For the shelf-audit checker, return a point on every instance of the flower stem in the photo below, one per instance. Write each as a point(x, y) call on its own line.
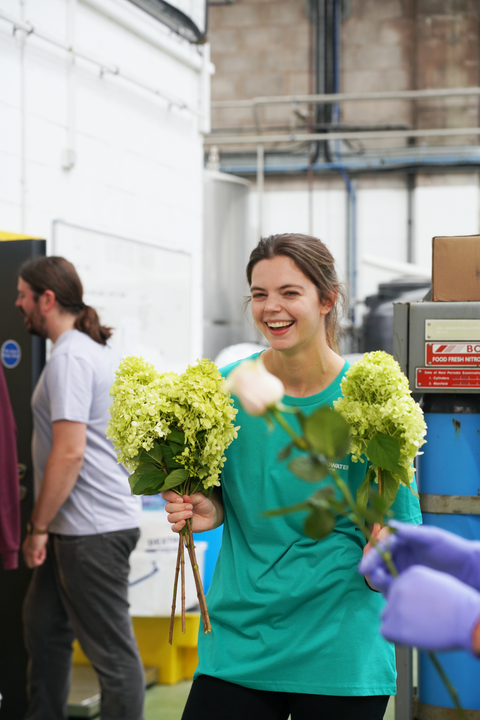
point(182, 568)
point(175, 587)
point(446, 681)
point(345, 490)
point(207, 628)
point(297, 439)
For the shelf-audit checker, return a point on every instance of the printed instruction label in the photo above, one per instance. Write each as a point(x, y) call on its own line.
point(462, 378)
point(452, 329)
point(452, 354)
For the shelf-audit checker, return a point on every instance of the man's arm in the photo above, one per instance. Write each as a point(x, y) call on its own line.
point(61, 472)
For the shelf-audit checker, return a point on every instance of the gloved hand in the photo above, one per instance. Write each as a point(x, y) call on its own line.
point(430, 610)
point(430, 546)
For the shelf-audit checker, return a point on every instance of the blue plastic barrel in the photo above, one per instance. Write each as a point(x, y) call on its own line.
point(450, 465)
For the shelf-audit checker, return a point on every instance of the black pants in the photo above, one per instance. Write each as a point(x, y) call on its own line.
point(81, 591)
point(214, 699)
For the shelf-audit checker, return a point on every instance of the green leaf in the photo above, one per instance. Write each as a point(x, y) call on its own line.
point(390, 485)
point(170, 463)
point(378, 502)
point(285, 453)
point(150, 479)
point(363, 492)
point(175, 478)
point(402, 475)
point(175, 447)
point(328, 432)
point(373, 516)
point(155, 453)
point(286, 510)
point(323, 498)
point(319, 523)
point(176, 436)
point(308, 468)
point(384, 451)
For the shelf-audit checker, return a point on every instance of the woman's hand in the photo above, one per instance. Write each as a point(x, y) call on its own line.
point(206, 513)
point(378, 533)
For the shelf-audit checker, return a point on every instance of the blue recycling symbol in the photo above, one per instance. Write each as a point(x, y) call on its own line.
point(10, 354)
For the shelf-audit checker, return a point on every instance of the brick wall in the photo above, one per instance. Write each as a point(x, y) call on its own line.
point(262, 47)
point(259, 47)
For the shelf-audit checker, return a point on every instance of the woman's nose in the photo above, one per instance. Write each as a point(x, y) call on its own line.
point(272, 303)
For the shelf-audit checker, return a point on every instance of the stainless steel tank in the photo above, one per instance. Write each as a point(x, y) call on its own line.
point(225, 257)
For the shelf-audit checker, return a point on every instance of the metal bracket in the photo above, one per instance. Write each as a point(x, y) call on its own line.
point(422, 711)
point(450, 505)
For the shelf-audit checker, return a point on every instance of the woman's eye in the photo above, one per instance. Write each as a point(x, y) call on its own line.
point(291, 293)
point(256, 296)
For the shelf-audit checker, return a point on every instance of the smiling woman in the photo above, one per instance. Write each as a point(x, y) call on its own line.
point(295, 293)
point(295, 627)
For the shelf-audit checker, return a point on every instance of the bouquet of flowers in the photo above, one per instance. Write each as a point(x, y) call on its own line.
point(386, 424)
point(172, 431)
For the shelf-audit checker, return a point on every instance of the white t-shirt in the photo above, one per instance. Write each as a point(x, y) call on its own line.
point(75, 385)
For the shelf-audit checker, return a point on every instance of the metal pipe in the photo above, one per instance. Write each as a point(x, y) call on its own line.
point(104, 68)
point(410, 215)
point(350, 97)
point(386, 164)
point(23, 123)
point(260, 186)
point(360, 135)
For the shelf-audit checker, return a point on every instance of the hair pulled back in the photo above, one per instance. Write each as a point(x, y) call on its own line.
point(59, 275)
point(315, 260)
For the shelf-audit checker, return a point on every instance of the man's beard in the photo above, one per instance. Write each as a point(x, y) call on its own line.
point(34, 326)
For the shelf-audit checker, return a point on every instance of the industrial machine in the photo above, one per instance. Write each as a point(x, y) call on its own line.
point(438, 347)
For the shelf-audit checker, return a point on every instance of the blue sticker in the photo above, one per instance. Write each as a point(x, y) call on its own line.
point(10, 354)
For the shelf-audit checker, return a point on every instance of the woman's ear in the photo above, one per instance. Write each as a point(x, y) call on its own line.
point(328, 303)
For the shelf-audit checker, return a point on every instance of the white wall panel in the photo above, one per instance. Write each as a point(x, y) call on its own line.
point(139, 160)
point(447, 210)
point(381, 231)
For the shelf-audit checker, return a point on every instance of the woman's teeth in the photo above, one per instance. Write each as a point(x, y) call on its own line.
point(279, 324)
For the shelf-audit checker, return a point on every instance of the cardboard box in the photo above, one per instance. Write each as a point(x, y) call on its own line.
point(456, 268)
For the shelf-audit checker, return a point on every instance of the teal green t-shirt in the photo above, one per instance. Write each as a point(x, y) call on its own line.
point(290, 613)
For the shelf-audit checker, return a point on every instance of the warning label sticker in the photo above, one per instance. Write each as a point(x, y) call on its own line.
point(452, 354)
point(447, 378)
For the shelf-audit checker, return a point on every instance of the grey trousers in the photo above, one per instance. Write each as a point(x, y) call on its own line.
point(81, 591)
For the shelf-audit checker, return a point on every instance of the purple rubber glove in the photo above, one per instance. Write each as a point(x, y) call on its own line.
point(430, 610)
point(430, 546)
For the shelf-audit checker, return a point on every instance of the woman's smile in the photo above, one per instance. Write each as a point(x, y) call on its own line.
point(279, 327)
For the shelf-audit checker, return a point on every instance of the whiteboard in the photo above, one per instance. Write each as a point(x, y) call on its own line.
point(141, 290)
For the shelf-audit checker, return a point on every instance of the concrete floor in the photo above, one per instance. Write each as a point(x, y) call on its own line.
point(166, 702)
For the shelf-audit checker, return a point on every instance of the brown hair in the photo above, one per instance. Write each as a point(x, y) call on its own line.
point(59, 275)
point(316, 262)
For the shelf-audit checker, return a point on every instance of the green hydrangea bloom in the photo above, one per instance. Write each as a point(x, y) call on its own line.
point(147, 405)
point(377, 399)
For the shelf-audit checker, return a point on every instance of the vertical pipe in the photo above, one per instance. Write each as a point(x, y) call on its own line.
point(260, 186)
point(71, 86)
point(205, 122)
point(351, 240)
point(410, 216)
point(23, 126)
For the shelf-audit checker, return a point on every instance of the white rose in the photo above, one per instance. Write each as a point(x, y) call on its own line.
point(255, 387)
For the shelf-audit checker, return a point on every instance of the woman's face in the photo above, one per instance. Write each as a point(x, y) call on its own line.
point(285, 305)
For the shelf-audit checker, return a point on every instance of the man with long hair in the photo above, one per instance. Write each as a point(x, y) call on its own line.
point(84, 524)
